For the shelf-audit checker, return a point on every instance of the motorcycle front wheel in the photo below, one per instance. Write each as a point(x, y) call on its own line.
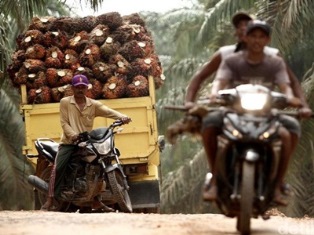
point(247, 196)
point(120, 194)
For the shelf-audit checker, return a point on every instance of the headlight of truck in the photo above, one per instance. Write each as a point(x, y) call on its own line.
point(104, 147)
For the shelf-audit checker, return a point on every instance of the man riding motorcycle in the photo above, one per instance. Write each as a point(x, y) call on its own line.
point(254, 66)
point(77, 115)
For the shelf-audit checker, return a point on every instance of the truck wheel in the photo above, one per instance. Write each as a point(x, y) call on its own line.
point(120, 194)
point(247, 195)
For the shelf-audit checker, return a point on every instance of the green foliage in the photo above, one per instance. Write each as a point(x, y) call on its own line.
point(14, 192)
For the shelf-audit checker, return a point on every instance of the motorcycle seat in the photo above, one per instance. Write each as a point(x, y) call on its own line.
point(50, 147)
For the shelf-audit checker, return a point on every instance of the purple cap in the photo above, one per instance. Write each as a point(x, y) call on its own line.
point(80, 79)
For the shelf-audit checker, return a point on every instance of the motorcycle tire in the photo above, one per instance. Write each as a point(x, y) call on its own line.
point(120, 194)
point(247, 195)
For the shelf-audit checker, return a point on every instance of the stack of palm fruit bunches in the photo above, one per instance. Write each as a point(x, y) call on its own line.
point(115, 52)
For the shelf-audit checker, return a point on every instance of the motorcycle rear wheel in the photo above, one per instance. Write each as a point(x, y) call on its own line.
point(247, 195)
point(120, 194)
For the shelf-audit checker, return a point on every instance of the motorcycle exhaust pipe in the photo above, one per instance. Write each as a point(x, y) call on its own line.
point(38, 183)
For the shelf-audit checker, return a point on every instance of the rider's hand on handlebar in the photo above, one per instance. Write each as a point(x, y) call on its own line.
point(75, 138)
point(126, 120)
point(189, 104)
point(305, 112)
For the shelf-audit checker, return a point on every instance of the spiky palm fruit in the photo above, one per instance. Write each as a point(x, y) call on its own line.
point(138, 87)
point(18, 55)
point(78, 40)
point(56, 38)
point(36, 80)
point(54, 57)
point(87, 23)
point(156, 70)
point(20, 77)
point(134, 18)
point(141, 34)
point(30, 38)
point(66, 24)
point(123, 66)
point(99, 34)
point(159, 81)
point(57, 93)
point(65, 76)
point(109, 48)
point(102, 71)
point(123, 34)
point(142, 66)
point(31, 95)
point(58, 77)
point(134, 49)
point(90, 55)
point(41, 23)
point(95, 89)
point(71, 60)
point(85, 71)
point(34, 65)
point(17, 58)
point(114, 88)
point(52, 77)
point(112, 19)
point(40, 96)
point(36, 51)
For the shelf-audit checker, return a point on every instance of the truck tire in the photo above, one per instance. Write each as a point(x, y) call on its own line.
point(120, 194)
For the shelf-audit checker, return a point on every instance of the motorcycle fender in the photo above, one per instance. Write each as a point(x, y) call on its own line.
point(112, 168)
point(251, 155)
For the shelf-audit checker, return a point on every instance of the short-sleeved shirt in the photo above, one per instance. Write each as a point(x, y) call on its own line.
point(74, 121)
point(270, 72)
point(228, 50)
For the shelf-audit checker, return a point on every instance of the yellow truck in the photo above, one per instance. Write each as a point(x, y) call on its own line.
point(138, 142)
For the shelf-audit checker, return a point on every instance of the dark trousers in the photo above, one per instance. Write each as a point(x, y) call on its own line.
point(57, 175)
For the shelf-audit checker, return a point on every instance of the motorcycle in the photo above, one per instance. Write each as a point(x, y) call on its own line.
point(93, 173)
point(248, 150)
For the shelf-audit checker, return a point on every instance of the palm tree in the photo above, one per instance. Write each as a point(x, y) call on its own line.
point(14, 19)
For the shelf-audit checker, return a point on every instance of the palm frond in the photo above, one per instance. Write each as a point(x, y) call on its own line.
point(13, 166)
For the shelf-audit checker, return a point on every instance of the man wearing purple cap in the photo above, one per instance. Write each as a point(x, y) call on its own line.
point(77, 114)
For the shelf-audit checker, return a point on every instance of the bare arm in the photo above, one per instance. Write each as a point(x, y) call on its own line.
point(218, 85)
point(208, 69)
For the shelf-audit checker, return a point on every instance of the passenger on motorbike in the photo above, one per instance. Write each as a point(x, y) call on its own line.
point(239, 21)
point(252, 65)
point(77, 115)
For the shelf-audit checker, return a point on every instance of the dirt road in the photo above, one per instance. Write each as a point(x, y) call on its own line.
point(55, 223)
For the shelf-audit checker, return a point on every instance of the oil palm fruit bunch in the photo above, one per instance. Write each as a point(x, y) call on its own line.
point(115, 52)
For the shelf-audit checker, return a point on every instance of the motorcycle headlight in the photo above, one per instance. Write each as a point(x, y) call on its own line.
point(104, 147)
point(253, 101)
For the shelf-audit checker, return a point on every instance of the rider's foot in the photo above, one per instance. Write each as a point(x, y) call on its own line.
point(210, 193)
point(48, 205)
point(279, 198)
